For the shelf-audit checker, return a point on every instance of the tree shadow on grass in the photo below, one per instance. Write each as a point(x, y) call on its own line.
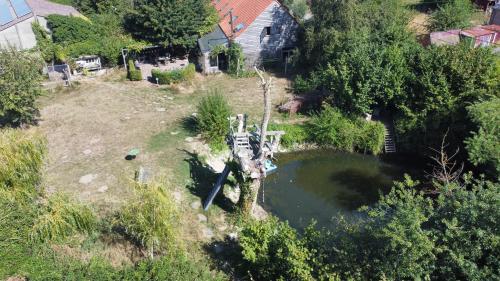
point(189, 124)
point(203, 180)
point(226, 256)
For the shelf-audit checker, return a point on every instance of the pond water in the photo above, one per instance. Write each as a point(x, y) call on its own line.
point(321, 184)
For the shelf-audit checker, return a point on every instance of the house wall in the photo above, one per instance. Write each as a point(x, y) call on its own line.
point(256, 46)
point(204, 61)
point(21, 35)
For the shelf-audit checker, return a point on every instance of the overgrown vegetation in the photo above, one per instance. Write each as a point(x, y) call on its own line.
point(151, 219)
point(295, 134)
point(212, 119)
point(236, 59)
point(454, 14)
point(331, 128)
point(20, 86)
point(174, 76)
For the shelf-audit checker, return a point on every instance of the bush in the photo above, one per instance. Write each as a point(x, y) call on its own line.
point(151, 219)
point(371, 137)
point(174, 76)
point(61, 218)
point(20, 86)
point(133, 73)
point(273, 251)
point(294, 133)
point(22, 155)
point(455, 14)
point(212, 119)
point(331, 128)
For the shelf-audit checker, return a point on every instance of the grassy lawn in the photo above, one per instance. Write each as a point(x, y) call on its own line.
point(91, 127)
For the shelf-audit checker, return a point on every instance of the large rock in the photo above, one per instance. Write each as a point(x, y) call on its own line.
point(87, 179)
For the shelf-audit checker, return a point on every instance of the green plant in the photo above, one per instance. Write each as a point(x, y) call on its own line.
point(22, 155)
point(370, 137)
point(273, 251)
point(455, 14)
point(60, 218)
point(151, 219)
point(174, 76)
point(20, 86)
point(331, 128)
point(212, 119)
point(133, 73)
point(294, 133)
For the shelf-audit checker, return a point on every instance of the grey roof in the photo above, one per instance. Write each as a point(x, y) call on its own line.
point(214, 38)
point(44, 8)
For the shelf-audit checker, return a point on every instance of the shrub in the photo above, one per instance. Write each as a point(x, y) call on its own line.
point(294, 133)
point(371, 136)
point(212, 119)
point(174, 76)
point(452, 15)
point(61, 218)
point(133, 73)
point(273, 251)
point(151, 219)
point(331, 128)
point(20, 86)
point(22, 156)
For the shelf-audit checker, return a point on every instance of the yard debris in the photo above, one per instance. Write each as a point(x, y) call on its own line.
point(87, 179)
point(103, 189)
point(161, 109)
point(174, 133)
point(87, 152)
point(132, 154)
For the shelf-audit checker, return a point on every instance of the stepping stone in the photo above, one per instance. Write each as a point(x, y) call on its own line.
point(207, 233)
point(103, 189)
point(161, 109)
point(202, 218)
point(196, 205)
point(87, 179)
point(162, 122)
point(177, 196)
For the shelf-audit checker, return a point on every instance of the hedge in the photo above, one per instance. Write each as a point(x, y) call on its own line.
point(133, 73)
point(174, 76)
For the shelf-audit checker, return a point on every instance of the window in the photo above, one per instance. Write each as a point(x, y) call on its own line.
point(213, 61)
point(267, 30)
point(5, 16)
point(20, 7)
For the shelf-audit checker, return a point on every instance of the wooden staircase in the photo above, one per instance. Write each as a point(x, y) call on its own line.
point(390, 141)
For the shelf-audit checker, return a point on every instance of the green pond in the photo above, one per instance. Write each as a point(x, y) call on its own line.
point(320, 184)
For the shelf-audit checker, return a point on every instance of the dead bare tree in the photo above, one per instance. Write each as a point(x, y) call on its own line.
point(266, 85)
point(445, 169)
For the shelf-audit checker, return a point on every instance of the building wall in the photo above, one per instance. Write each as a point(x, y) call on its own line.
point(19, 35)
point(256, 46)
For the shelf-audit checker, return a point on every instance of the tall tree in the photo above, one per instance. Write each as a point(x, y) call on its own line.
point(176, 23)
point(455, 14)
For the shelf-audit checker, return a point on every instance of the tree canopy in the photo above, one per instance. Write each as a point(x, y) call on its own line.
point(176, 23)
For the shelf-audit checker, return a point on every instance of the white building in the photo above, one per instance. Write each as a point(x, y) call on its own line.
point(17, 16)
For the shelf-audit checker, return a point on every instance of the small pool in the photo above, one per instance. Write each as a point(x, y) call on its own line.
point(322, 183)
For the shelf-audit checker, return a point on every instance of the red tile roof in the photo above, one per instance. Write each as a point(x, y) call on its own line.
point(244, 12)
